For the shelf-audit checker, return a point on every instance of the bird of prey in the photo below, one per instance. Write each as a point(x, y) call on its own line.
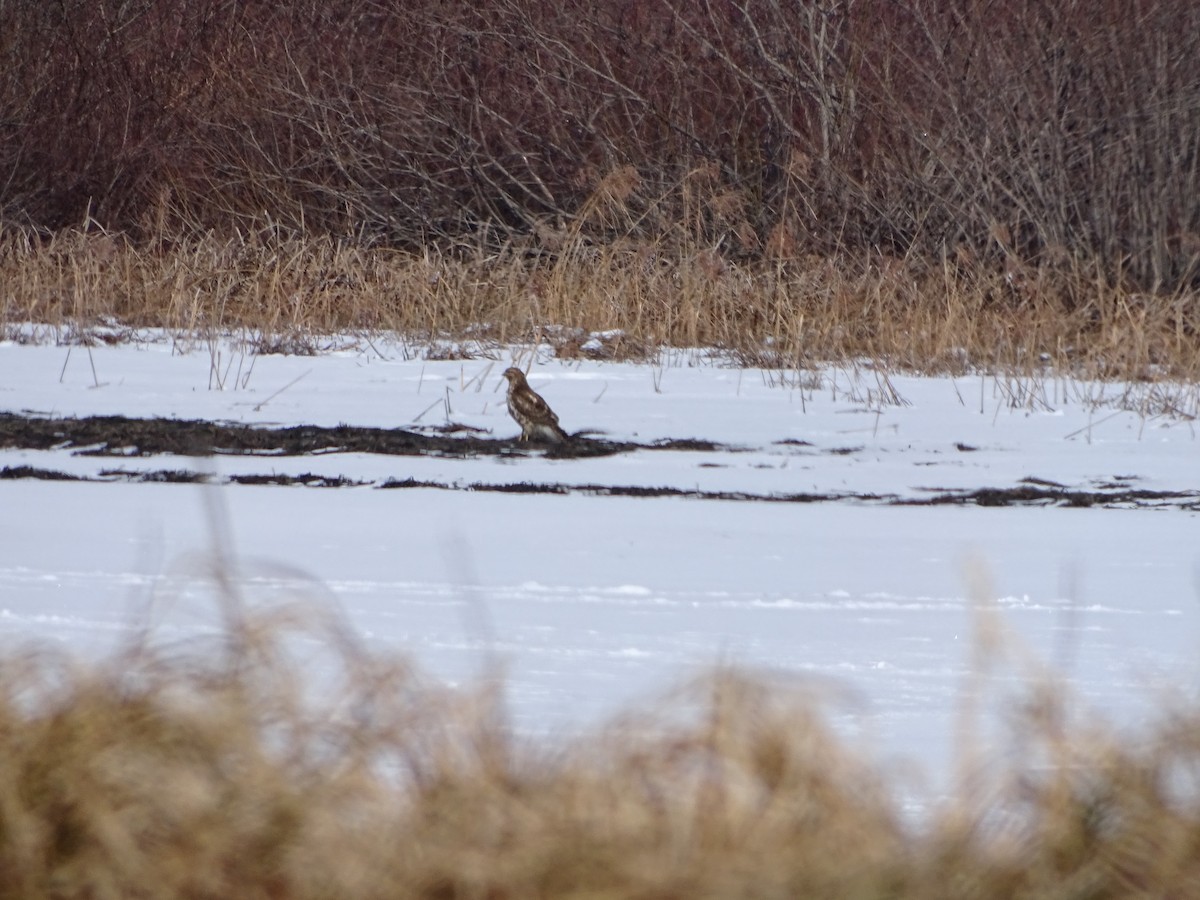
point(537, 420)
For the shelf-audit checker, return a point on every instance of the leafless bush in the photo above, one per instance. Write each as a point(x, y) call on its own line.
point(1006, 138)
point(98, 101)
point(1032, 135)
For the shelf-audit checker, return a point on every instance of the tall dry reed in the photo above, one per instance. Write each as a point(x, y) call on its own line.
point(951, 317)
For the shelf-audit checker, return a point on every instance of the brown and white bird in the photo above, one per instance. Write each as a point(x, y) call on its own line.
point(537, 420)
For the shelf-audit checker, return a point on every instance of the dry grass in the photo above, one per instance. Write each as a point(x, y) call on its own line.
point(950, 317)
point(210, 770)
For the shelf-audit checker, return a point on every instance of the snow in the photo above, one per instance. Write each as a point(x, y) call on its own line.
point(596, 602)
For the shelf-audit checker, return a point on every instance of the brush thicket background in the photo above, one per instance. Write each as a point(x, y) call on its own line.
point(935, 186)
point(1001, 184)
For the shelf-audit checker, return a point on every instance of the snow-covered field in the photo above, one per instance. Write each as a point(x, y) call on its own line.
point(595, 602)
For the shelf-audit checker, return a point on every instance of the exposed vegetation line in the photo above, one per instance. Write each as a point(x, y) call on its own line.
point(1020, 495)
point(608, 490)
point(123, 436)
point(14, 473)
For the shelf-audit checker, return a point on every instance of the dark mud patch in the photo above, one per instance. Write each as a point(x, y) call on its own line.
point(178, 476)
point(1021, 495)
point(120, 436)
point(306, 480)
point(610, 490)
point(13, 473)
point(166, 476)
point(1035, 495)
point(272, 479)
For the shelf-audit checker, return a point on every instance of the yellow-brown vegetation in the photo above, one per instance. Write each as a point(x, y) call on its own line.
point(224, 768)
point(909, 314)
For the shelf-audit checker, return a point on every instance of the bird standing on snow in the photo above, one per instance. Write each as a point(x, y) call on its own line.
point(537, 420)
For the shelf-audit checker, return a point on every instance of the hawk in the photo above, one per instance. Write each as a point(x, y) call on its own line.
point(537, 420)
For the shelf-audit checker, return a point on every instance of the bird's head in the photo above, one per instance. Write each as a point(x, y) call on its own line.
point(514, 375)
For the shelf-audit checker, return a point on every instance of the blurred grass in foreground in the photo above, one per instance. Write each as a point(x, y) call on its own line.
point(217, 768)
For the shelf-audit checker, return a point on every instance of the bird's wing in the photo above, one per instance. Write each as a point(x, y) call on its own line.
point(534, 406)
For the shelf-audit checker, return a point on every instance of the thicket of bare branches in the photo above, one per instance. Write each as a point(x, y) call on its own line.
point(1019, 135)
